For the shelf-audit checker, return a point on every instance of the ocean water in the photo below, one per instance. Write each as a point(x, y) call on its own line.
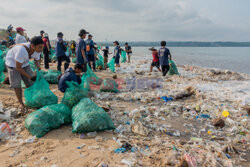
point(232, 58)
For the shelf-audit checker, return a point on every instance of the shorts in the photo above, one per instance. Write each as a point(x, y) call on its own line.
point(91, 58)
point(15, 77)
point(117, 60)
point(129, 54)
point(155, 64)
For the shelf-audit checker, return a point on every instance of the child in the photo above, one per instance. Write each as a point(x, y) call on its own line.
point(155, 62)
point(105, 56)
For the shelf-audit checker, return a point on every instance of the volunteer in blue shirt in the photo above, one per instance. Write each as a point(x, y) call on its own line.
point(81, 50)
point(164, 55)
point(117, 53)
point(90, 51)
point(70, 75)
point(60, 49)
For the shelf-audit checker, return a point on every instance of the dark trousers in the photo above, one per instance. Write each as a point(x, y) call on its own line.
point(60, 60)
point(91, 58)
point(164, 69)
point(46, 58)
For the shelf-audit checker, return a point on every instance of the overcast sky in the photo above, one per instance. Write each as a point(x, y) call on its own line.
point(132, 20)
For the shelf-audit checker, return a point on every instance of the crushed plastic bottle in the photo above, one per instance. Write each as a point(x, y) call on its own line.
point(92, 134)
point(5, 131)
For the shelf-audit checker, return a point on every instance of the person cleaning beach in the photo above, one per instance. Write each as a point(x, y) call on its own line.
point(70, 75)
point(81, 50)
point(90, 52)
point(20, 38)
point(164, 55)
point(155, 62)
point(106, 53)
point(128, 50)
point(117, 53)
point(17, 62)
point(46, 50)
point(61, 49)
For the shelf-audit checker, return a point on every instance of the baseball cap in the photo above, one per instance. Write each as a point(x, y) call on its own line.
point(82, 32)
point(20, 29)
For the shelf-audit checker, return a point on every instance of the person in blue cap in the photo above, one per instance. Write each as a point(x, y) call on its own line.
point(105, 56)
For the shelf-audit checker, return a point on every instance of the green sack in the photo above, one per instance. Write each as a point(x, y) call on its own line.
point(173, 69)
point(73, 94)
point(39, 94)
point(74, 60)
point(111, 65)
point(52, 76)
point(90, 77)
point(99, 62)
point(88, 117)
point(123, 55)
point(47, 118)
point(2, 76)
point(109, 85)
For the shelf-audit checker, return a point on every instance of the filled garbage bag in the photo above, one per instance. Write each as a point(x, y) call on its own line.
point(123, 55)
point(2, 76)
point(39, 94)
point(74, 60)
point(172, 69)
point(90, 77)
point(111, 65)
point(88, 117)
point(52, 76)
point(100, 62)
point(109, 85)
point(50, 117)
point(73, 94)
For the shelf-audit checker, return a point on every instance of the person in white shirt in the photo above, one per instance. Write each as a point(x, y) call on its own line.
point(17, 62)
point(20, 36)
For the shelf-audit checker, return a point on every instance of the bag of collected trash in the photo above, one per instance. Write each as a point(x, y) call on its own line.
point(172, 69)
point(88, 117)
point(73, 94)
point(39, 94)
point(52, 76)
point(109, 85)
point(74, 60)
point(2, 76)
point(111, 65)
point(123, 55)
point(50, 117)
point(90, 77)
point(99, 63)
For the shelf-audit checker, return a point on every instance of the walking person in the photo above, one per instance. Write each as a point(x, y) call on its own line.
point(46, 50)
point(164, 55)
point(155, 62)
point(128, 50)
point(90, 52)
point(60, 52)
point(81, 50)
point(20, 36)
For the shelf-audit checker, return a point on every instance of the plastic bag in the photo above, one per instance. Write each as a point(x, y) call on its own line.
point(5, 131)
point(39, 94)
point(52, 76)
point(74, 60)
point(173, 69)
point(99, 62)
point(73, 94)
point(49, 117)
point(88, 117)
point(123, 55)
point(109, 85)
point(90, 77)
point(2, 76)
point(111, 65)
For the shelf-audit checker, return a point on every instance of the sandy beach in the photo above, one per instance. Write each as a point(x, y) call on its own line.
point(162, 133)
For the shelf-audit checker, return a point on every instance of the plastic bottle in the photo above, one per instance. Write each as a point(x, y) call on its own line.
point(5, 131)
point(92, 134)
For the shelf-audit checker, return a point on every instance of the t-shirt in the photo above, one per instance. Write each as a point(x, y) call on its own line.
point(60, 48)
point(105, 52)
point(163, 56)
point(69, 75)
point(20, 54)
point(44, 42)
point(90, 42)
point(127, 48)
point(155, 56)
point(117, 51)
point(80, 45)
point(20, 39)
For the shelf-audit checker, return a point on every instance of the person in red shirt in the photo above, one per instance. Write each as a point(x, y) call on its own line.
point(155, 62)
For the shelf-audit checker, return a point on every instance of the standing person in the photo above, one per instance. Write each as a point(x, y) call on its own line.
point(164, 55)
point(46, 50)
point(73, 48)
point(105, 56)
point(90, 52)
point(128, 50)
point(81, 50)
point(60, 52)
point(155, 62)
point(20, 36)
point(17, 62)
point(117, 53)
point(41, 33)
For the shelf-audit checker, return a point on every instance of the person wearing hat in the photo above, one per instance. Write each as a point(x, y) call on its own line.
point(128, 50)
point(60, 50)
point(81, 50)
point(20, 36)
point(41, 33)
point(90, 52)
point(105, 56)
point(46, 50)
point(117, 53)
point(155, 62)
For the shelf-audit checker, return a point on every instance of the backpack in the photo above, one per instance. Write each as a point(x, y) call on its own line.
point(87, 47)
